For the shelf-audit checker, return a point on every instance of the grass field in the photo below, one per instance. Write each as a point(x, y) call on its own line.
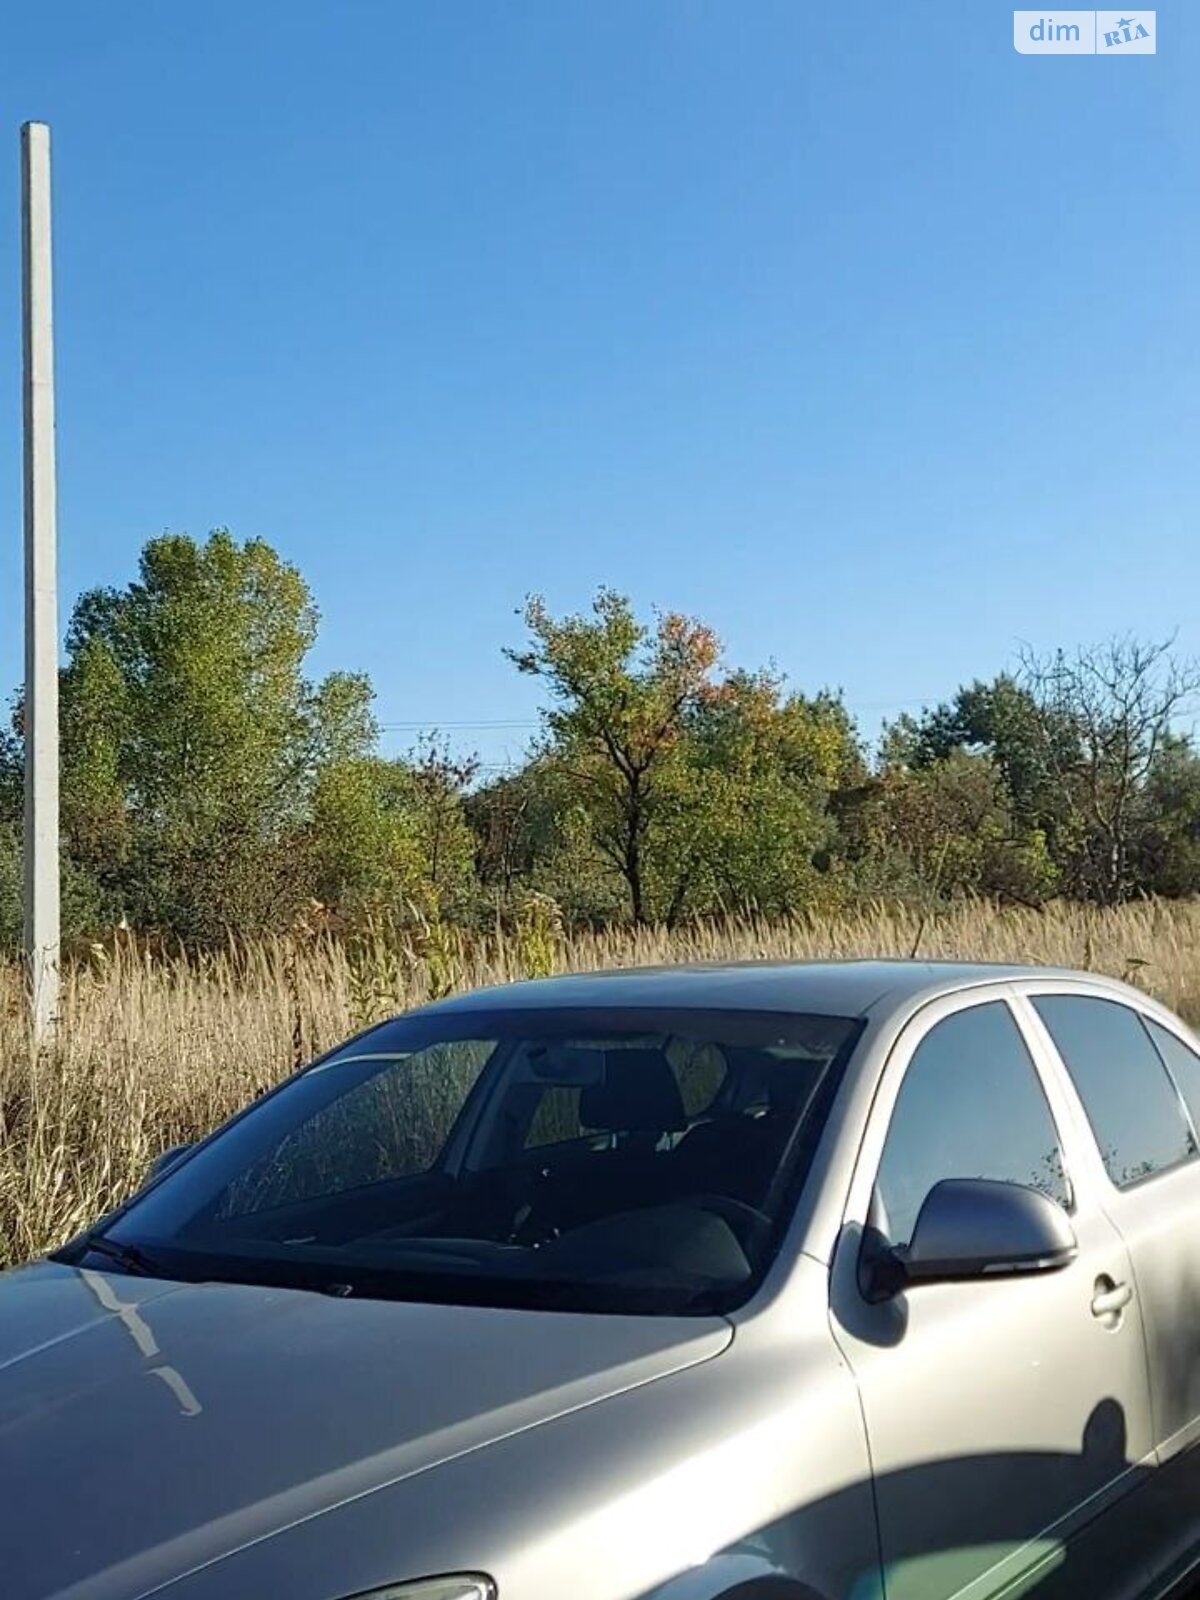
point(156, 1050)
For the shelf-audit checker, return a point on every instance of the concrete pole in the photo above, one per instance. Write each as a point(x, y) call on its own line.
point(41, 592)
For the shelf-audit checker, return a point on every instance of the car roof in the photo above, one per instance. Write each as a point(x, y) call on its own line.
point(830, 988)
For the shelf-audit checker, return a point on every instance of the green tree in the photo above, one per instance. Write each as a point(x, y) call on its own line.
point(192, 738)
point(12, 770)
point(83, 908)
point(394, 833)
point(753, 825)
point(947, 827)
point(1085, 746)
point(534, 833)
point(1168, 848)
point(1029, 743)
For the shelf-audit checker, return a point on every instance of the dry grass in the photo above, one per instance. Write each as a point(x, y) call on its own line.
point(156, 1051)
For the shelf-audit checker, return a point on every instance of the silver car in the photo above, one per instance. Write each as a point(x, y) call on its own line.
point(751, 1283)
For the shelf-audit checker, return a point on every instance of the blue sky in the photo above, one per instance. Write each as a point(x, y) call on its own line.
point(845, 327)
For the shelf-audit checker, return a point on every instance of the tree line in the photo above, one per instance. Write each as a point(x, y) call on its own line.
point(210, 787)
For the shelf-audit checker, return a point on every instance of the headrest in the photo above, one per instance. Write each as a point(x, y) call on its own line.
point(639, 1095)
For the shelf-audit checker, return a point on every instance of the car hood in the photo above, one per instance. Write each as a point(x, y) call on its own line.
point(150, 1427)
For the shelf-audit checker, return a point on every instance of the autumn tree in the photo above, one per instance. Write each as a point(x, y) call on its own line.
point(704, 792)
point(621, 696)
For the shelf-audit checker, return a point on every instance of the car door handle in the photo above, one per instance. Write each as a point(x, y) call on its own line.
point(1107, 1302)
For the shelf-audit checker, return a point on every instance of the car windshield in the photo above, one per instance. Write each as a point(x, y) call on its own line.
point(606, 1161)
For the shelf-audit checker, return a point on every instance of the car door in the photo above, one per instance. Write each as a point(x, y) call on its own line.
point(1137, 1079)
point(1005, 1415)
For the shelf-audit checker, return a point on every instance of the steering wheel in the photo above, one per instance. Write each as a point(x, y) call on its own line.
point(752, 1227)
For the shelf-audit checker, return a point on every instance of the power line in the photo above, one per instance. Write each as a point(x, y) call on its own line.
point(436, 725)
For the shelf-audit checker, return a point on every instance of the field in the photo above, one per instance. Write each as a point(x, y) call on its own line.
point(157, 1049)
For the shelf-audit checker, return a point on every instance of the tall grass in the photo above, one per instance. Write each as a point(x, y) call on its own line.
point(156, 1050)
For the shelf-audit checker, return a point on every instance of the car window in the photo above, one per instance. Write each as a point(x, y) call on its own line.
point(971, 1106)
point(663, 1197)
point(1182, 1063)
point(1135, 1112)
point(392, 1125)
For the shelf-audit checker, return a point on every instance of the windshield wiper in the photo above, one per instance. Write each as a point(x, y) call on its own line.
point(127, 1256)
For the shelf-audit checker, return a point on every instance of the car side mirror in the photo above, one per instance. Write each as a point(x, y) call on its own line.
point(972, 1228)
point(164, 1162)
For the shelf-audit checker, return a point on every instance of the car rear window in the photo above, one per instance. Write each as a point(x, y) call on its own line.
point(1182, 1063)
point(1132, 1104)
